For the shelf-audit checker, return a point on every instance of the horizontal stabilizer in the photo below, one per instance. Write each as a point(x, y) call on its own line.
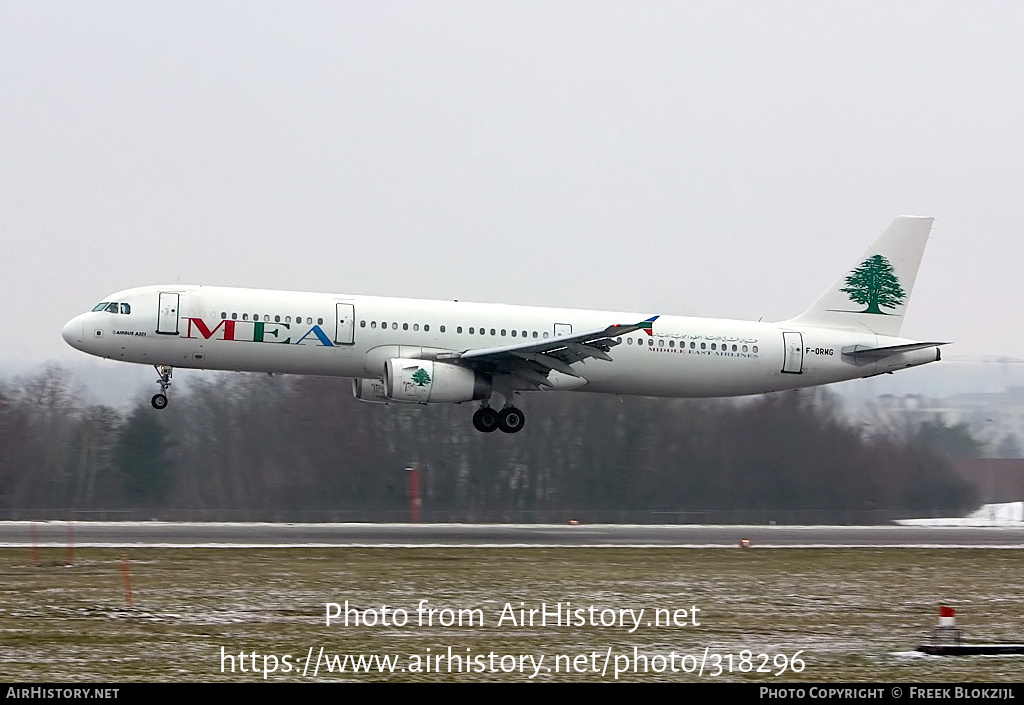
point(863, 353)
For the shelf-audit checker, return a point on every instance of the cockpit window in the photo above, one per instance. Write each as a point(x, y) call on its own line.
point(100, 306)
point(112, 308)
point(126, 308)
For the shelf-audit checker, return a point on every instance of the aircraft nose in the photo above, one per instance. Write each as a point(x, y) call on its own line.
point(72, 332)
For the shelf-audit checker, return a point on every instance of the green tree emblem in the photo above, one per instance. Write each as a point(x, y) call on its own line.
point(874, 284)
point(421, 378)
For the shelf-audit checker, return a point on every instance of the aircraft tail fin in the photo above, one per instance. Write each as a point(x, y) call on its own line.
point(873, 295)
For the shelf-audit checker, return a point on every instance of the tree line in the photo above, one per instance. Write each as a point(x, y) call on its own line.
point(244, 442)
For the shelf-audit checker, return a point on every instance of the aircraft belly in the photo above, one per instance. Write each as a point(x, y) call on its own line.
point(286, 359)
point(681, 375)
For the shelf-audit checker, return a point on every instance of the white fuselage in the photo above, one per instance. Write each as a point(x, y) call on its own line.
point(288, 332)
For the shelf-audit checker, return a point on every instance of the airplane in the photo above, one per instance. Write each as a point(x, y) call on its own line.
point(427, 352)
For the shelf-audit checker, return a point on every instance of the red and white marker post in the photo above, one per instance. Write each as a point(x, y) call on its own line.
point(947, 624)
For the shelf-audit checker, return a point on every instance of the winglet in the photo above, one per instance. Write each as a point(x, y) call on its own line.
point(647, 326)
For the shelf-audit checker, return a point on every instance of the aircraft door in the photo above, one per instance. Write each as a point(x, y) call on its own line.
point(346, 320)
point(563, 329)
point(793, 359)
point(167, 314)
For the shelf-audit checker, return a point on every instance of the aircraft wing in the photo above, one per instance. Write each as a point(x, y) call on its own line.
point(532, 361)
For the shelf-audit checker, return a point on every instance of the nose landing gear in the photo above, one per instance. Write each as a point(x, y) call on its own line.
point(159, 401)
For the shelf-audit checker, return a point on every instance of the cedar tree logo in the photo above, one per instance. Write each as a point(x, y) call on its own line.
point(874, 284)
point(421, 378)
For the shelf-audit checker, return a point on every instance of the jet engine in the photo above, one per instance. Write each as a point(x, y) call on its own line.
point(426, 381)
point(369, 390)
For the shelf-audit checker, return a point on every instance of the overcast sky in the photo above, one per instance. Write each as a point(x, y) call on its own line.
point(725, 159)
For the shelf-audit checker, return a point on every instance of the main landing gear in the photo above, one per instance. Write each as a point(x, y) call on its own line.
point(509, 419)
point(159, 401)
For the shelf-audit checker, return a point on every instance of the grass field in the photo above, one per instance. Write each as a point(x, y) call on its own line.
point(852, 614)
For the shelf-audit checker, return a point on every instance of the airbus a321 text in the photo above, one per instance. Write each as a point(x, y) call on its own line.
point(426, 352)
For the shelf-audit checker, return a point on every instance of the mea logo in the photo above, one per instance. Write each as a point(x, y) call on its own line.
point(256, 332)
point(875, 284)
point(421, 377)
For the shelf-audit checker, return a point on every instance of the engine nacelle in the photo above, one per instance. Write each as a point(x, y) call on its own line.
point(369, 390)
point(426, 381)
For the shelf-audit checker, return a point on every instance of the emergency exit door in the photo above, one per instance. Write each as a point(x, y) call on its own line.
point(793, 361)
point(345, 316)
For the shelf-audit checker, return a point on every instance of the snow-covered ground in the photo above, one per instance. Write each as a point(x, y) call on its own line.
point(1004, 514)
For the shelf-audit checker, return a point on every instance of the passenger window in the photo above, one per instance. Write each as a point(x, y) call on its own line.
point(471, 331)
point(373, 324)
point(744, 348)
point(245, 316)
point(125, 308)
point(309, 320)
point(319, 321)
point(534, 334)
point(671, 343)
point(492, 331)
point(629, 341)
point(223, 315)
point(405, 326)
point(459, 329)
point(287, 319)
point(755, 348)
point(545, 334)
point(277, 319)
point(415, 326)
point(651, 342)
point(234, 316)
point(503, 332)
point(703, 346)
point(394, 326)
point(426, 328)
point(524, 334)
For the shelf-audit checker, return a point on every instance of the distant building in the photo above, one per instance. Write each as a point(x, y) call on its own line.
point(995, 419)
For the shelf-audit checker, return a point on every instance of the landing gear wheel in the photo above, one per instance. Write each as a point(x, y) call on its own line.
point(159, 401)
point(511, 420)
point(485, 420)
